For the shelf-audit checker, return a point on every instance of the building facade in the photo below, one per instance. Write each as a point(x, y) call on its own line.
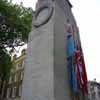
point(14, 86)
point(94, 90)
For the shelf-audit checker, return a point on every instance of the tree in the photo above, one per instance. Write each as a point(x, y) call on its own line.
point(5, 68)
point(15, 24)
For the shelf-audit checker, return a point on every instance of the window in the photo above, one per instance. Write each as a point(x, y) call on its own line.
point(19, 65)
point(14, 92)
point(8, 92)
point(99, 93)
point(98, 87)
point(20, 90)
point(22, 74)
point(10, 80)
point(19, 76)
point(93, 95)
point(13, 78)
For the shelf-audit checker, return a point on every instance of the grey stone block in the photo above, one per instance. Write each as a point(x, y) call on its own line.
point(46, 76)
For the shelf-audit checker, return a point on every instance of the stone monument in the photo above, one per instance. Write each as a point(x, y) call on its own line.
point(46, 76)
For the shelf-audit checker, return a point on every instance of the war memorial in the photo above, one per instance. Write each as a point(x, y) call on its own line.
point(54, 66)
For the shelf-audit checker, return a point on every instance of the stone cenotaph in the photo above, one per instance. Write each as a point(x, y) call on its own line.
point(46, 75)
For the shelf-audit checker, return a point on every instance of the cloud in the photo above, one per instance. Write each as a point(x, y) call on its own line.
point(87, 14)
point(27, 3)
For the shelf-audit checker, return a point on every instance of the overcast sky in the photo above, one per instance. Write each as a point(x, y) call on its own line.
point(87, 14)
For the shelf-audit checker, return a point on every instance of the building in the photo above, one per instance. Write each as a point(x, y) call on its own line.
point(94, 90)
point(14, 86)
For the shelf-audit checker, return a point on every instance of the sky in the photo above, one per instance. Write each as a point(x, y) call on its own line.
point(87, 15)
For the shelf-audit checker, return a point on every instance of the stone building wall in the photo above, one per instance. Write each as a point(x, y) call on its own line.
point(94, 90)
point(14, 87)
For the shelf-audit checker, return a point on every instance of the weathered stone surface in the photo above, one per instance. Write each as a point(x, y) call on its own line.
point(46, 75)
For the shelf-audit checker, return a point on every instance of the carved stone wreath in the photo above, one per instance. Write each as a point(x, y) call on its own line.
point(37, 22)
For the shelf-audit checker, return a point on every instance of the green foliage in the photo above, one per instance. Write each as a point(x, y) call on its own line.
point(15, 24)
point(5, 66)
point(15, 17)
